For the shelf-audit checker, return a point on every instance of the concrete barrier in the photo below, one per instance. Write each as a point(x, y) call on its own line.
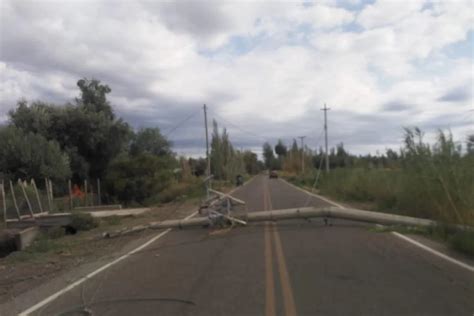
point(98, 208)
point(25, 237)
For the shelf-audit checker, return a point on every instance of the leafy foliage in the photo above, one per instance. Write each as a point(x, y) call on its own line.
point(150, 141)
point(423, 180)
point(27, 155)
point(226, 162)
point(87, 131)
point(138, 178)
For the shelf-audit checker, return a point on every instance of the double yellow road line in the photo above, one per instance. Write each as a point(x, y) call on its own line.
point(272, 231)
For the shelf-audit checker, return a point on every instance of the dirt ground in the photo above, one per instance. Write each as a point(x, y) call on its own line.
point(50, 257)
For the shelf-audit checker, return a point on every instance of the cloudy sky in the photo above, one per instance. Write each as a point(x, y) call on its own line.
point(263, 68)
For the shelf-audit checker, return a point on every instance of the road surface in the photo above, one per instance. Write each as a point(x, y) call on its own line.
point(290, 268)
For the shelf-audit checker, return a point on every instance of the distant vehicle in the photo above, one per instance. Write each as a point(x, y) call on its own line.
point(273, 174)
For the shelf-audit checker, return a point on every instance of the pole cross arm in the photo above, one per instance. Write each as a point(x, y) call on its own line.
point(227, 196)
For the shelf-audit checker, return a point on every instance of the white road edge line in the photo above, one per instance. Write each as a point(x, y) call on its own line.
point(94, 273)
point(54, 296)
point(434, 252)
point(313, 194)
point(403, 237)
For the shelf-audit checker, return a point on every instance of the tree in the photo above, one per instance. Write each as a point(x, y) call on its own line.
point(280, 149)
point(198, 166)
point(251, 162)
point(226, 162)
point(27, 155)
point(150, 140)
point(87, 131)
point(470, 144)
point(217, 158)
point(139, 178)
point(268, 156)
point(94, 97)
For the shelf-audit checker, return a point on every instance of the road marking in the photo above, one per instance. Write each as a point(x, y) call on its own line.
point(434, 252)
point(403, 237)
point(71, 286)
point(313, 194)
point(269, 281)
point(288, 299)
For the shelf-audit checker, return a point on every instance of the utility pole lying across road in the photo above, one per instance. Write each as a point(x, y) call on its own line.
point(326, 109)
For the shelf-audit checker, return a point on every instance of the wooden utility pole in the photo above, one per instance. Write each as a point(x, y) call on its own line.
point(326, 109)
point(302, 152)
point(208, 171)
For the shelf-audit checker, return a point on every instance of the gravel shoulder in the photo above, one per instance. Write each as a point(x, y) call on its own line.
point(60, 258)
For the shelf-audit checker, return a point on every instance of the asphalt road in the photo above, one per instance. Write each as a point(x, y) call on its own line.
point(288, 268)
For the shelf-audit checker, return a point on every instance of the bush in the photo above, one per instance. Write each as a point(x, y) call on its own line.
point(137, 179)
point(178, 190)
point(83, 221)
point(463, 242)
point(56, 232)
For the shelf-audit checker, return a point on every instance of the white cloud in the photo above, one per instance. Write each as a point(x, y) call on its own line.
point(151, 56)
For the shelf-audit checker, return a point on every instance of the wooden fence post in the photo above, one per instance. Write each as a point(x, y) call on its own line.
point(46, 185)
point(14, 200)
point(33, 183)
point(51, 195)
point(51, 190)
point(4, 199)
point(70, 194)
point(99, 198)
point(26, 198)
point(92, 195)
point(85, 192)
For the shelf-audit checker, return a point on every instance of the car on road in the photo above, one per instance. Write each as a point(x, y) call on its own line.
point(273, 174)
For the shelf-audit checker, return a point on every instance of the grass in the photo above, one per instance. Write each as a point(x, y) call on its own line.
point(461, 241)
point(435, 182)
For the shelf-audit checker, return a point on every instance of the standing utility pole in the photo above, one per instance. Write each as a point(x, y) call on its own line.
point(326, 109)
point(302, 152)
point(208, 171)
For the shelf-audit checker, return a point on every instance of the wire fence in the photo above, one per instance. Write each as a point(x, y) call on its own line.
point(23, 199)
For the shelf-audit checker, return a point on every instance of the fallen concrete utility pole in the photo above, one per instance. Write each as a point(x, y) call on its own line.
point(295, 213)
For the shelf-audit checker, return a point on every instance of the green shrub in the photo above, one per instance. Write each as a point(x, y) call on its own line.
point(463, 242)
point(139, 178)
point(55, 232)
point(83, 221)
point(178, 190)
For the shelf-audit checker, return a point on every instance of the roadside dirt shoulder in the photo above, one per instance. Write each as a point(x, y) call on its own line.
point(23, 271)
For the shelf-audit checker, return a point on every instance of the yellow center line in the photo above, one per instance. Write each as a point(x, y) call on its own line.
point(288, 299)
point(269, 282)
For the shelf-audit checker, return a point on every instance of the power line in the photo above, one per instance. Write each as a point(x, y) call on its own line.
point(180, 123)
point(239, 128)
